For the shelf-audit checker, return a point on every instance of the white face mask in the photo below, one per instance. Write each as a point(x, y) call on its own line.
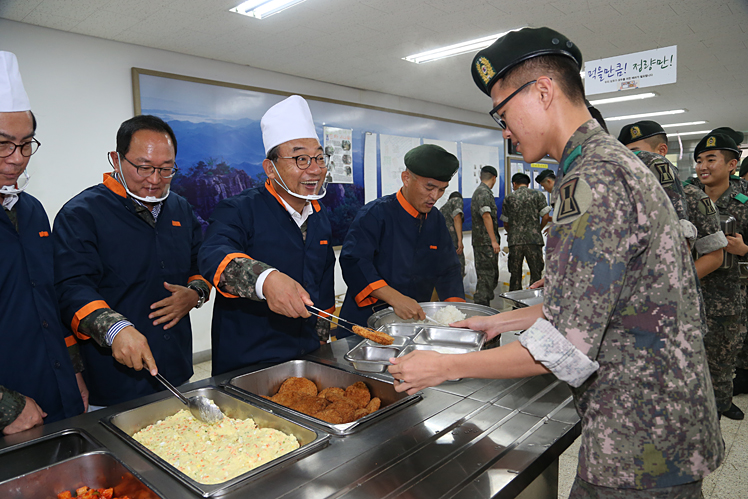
point(19, 186)
point(310, 197)
point(121, 179)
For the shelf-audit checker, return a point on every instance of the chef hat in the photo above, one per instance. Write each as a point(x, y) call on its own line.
point(290, 119)
point(12, 94)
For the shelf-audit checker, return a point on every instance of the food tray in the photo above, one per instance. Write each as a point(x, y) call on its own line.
point(45, 451)
point(267, 381)
point(451, 337)
point(97, 469)
point(524, 297)
point(388, 316)
point(126, 424)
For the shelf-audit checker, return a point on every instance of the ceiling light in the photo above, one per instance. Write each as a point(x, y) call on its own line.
point(645, 115)
point(701, 132)
point(260, 9)
point(456, 49)
point(684, 124)
point(625, 98)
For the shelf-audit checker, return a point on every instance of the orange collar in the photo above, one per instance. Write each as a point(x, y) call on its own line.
point(406, 205)
point(111, 183)
point(271, 189)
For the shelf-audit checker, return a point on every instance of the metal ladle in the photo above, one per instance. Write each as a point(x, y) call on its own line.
point(203, 409)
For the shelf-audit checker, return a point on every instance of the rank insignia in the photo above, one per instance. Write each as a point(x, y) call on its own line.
point(706, 207)
point(711, 142)
point(664, 173)
point(635, 132)
point(485, 69)
point(575, 197)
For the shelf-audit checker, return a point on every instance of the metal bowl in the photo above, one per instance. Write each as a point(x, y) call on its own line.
point(388, 316)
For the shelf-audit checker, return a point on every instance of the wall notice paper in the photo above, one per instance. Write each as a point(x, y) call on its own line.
point(475, 157)
point(392, 149)
point(338, 147)
point(370, 167)
point(626, 72)
point(454, 183)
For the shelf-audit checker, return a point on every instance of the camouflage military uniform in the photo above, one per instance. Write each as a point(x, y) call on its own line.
point(486, 261)
point(623, 329)
point(725, 302)
point(522, 210)
point(450, 210)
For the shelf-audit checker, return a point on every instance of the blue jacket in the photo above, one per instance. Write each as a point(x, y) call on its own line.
point(34, 360)
point(255, 224)
point(388, 245)
point(106, 256)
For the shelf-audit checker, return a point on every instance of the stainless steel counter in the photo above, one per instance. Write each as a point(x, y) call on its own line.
point(465, 439)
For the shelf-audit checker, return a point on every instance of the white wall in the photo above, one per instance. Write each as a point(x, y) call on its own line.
point(81, 90)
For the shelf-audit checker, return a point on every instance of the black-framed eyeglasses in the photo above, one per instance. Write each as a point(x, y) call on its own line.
point(498, 118)
point(7, 148)
point(304, 161)
point(146, 171)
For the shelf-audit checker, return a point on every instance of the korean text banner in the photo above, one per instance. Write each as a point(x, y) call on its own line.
point(627, 72)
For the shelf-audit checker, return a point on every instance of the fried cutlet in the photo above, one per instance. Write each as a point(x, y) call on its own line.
point(329, 415)
point(375, 336)
point(343, 408)
point(333, 389)
point(308, 405)
point(299, 385)
point(359, 393)
point(285, 398)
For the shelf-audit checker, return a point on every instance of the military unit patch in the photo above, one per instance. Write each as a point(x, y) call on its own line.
point(575, 197)
point(664, 173)
point(707, 207)
point(711, 142)
point(635, 132)
point(485, 70)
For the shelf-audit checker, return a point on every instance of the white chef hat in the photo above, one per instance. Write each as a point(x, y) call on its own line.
point(12, 94)
point(290, 119)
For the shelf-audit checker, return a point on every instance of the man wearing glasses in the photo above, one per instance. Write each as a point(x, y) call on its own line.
point(37, 380)
point(268, 250)
point(126, 268)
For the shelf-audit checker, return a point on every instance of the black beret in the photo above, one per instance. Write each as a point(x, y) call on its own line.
point(521, 178)
point(716, 141)
point(743, 167)
point(640, 130)
point(493, 62)
point(738, 137)
point(432, 161)
point(489, 169)
point(544, 175)
point(455, 194)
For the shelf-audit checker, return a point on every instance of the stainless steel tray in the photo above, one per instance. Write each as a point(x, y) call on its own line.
point(436, 348)
point(267, 381)
point(524, 297)
point(451, 337)
point(401, 330)
point(372, 358)
point(388, 316)
point(97, 469)
point(45, 451)
point(126, 424)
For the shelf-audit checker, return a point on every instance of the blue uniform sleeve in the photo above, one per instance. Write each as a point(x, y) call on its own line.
point(449, 285)
point(327, 287)
point(360, 247)
point(197, 241)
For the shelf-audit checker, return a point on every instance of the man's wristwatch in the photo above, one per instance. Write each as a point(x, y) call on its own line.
point(200, 295)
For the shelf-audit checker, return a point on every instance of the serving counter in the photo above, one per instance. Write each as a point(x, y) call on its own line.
point(464, 439)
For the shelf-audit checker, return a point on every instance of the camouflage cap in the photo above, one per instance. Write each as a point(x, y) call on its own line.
point(715, 141)
point(545, 174)
point(738, 137)
point(743, 167)
point(489, 169)
point(492, 63)
point(640, 130)
point(432, 161)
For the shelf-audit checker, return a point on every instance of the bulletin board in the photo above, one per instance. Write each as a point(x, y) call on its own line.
point(515, 164)
point(220, 149)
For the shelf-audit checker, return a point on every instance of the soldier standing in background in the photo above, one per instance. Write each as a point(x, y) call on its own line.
point(454, 216)
point(486, 237)
point(546, 179)
point(521, 214)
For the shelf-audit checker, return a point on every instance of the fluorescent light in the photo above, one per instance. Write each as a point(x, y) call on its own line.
point(684, 124)
point(645, 115)
point(260, 9)
point(456, 49)
point(701, 132)
point(625, 98)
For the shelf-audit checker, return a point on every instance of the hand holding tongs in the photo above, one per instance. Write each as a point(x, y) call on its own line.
point(364, 332)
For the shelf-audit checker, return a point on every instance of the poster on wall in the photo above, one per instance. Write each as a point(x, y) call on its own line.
point(454, 183)
point(392, 150)
point(475, 157)
point(338, 146)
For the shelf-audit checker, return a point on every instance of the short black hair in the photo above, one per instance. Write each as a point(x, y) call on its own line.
point(142, 122)
point(598, 116)
point(564, 70)
point(520, 178)
point(33, 121)
point(486, 175)
point(730, 155)
point(274, 153)
point(455, 194)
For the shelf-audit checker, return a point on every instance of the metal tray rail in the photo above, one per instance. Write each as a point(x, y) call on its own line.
point(267, 381)
point(126, 424)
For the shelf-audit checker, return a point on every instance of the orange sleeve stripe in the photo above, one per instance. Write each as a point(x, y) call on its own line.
point(222, 267)
point(198, 277)
point(363, 299)
point(324, 241)
point(70, 341)
point(432, 247)
point(83, 313)
point(456, 299)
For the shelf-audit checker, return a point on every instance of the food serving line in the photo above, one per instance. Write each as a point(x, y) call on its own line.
point(464, 439)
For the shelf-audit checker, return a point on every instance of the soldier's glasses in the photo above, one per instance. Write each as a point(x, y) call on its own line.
point(27, 148)
point(146, 171)
point(499, 118)
point(304, 161)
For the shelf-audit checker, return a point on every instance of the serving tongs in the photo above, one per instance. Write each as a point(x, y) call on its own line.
point(203, 409)
point(364, 332)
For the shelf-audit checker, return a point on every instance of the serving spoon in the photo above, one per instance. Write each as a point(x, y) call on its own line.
point(203, 409)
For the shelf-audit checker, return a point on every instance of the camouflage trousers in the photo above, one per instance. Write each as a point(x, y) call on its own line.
point(585, 490)
point(723, 343)
point(487, 271)
point(534, 255)
point(742, 361)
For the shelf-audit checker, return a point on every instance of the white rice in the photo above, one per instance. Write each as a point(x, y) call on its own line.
point(447, 315)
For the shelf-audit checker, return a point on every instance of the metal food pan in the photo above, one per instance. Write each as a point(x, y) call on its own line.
point(373, 358)
point(126, 424)
point(436, 348)
point(45, 451)
point(96, 470)
point(388, 316)
point(450, 336)
point(267, 381)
